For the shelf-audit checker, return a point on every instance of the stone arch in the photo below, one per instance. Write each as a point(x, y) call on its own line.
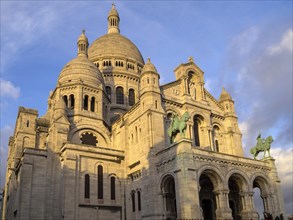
point(168, 191)
point(237, 184)
point(217, 140)
point(259, 181)
point(199, 121)
point(241, 177)
point(196, 74)
point(26, 142)
point(172, 110)
point(214, 173)
point(102, 138)
point(209, 182)
point(190, 82)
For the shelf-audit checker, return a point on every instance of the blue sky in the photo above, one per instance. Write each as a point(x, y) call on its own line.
point(245, 46)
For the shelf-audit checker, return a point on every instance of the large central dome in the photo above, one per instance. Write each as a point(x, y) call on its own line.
point(114, 44)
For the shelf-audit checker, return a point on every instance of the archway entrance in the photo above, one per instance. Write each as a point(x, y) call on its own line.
point(234, 198)
point(169, 195)
point(207, 198)
point(258, 202)
point(260, 198)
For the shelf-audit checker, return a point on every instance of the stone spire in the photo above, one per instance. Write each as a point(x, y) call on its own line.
point(224, 95)
point(113, 21)
point(82, 44)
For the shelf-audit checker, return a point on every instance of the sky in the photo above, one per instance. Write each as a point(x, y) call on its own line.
point(245, 46)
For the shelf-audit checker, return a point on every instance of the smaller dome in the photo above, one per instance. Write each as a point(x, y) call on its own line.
point(224, 95)
point(83, 70)
point(149, 67)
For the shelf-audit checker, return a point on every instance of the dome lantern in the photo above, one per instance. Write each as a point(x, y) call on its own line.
point(82, 44)
point(113, 21)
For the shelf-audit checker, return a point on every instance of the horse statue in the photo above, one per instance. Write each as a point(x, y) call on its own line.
point(263, 145)
point(177, 126)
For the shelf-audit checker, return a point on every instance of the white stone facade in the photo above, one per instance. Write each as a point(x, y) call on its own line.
point(102, 150)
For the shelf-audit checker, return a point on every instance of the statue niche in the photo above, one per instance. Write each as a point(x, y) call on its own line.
point(177, 126)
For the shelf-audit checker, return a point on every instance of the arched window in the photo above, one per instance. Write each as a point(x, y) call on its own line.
point(131, 97)
point(119, 95)
point(108, 91)
point(27, 123)
point(169, 196)
point(100, 182)
point(215, 136)
point(189, 82)
point(196, 122)
point(112, 180)
point(138, 201)
point(93, 104)
point(71, 101)
point(87, 186)
point(65, 100)
point(133, 200)
point(85, 102)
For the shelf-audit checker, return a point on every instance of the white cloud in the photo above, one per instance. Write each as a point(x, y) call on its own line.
point(8, 89)
point(22, 26)
point(262, 82)
point(244, 41)
point(284, 45)
point(284, 162)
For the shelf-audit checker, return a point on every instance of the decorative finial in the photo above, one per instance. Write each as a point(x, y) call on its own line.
point(190, 59)
point(83, 31)
point(149, 60)
point(113, 5)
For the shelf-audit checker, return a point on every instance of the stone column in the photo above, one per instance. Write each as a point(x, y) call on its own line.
point(187, 194)
point(223, 211)
point(248, 212)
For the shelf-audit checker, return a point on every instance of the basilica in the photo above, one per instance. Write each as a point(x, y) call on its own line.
point(116, 144)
